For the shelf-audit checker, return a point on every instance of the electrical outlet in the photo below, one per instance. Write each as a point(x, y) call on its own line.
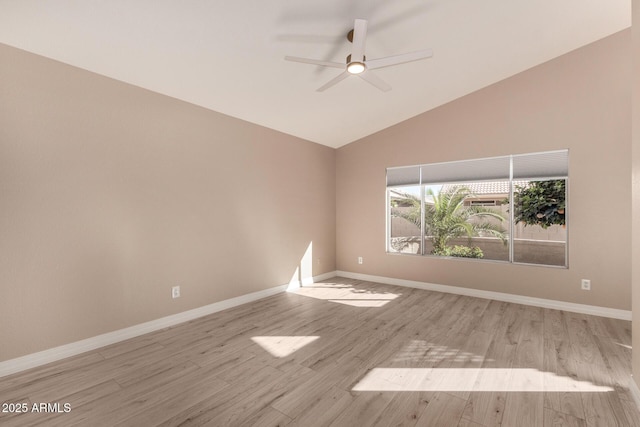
point(359, 260)
point(586, 284)
point(175, 292)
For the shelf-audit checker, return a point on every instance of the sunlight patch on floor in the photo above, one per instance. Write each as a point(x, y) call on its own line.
point(361, 303)
point(453, 379)
point(283, 346)
point(348, 295)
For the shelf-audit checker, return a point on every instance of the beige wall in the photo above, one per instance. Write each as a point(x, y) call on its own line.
point(111, 194)
point(579, 101)
point(636, 189)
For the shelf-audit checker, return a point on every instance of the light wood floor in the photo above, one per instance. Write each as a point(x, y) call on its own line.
point(349, 353)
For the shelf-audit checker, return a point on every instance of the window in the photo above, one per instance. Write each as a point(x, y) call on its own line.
point(510, 208)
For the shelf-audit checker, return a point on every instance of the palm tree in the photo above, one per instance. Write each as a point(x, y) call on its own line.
point(448, 218)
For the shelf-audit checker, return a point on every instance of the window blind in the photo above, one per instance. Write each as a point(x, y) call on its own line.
point(490, 169)
point(550, 164)
point(403, 176)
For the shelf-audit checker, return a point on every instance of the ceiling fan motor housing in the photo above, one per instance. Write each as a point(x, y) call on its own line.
point(356, 67)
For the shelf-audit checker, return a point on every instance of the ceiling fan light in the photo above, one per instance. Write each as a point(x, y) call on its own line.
point(355, 67)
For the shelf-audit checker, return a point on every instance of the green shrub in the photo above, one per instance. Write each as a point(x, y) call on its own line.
point(460, 251)
point(541, 203)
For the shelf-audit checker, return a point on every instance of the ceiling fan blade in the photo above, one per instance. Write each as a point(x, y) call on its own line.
point(359, 38)
point(375, 81)
point(333, 81)
point(315, 62)
point(399, 59)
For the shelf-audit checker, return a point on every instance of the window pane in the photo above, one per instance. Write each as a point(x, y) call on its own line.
point(540, 234)
point(468, 220)
point(404, 209)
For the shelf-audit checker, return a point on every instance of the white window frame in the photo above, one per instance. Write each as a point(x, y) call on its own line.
point(541, 166)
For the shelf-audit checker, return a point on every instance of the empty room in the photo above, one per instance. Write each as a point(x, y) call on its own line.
point(366, 213)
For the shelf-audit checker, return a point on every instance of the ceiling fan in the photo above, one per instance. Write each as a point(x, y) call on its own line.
point(357, 64)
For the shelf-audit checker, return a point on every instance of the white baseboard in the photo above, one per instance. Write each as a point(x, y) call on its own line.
point(33, 360)
point(499, 296)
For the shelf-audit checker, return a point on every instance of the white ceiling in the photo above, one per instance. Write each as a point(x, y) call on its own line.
point(228, 55)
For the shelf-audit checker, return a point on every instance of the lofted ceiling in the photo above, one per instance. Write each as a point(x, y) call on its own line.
point(229, 56)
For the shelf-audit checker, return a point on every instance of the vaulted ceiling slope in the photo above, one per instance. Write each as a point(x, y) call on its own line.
point(229, 56)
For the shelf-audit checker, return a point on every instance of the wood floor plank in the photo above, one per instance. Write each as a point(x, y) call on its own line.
point(15, 417)
point(558, 419)
point(348, 352)
point(555, 325)
point(530, 348)
point(136, 399)
point(75, 401)
point(631, 412)
point(259, 398)
point(405, 409)
point(444, 410)
point(74, 380)
point(159, 369)
point(510, 327)
point(159, 410)
point(268, 417)
point(470, 357)
point(525, 409)
point(297, 400)
point(124, 347)
point(343, 343)
point(89, 395)
point(616, 359)
point(364, 410)
point(604, 409)
point(203, 412)
point(22, 381)
point(325, 409)
point(487, 407)
point(590, 364)
point(557, 362)
point(617, 330)
point(468, 423)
